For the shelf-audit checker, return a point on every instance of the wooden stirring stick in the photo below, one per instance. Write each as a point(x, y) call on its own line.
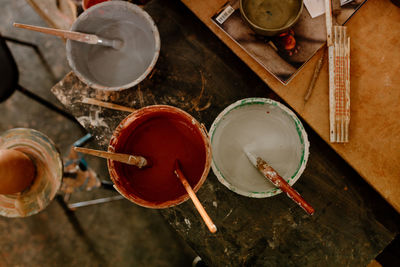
point(138, 161)
point(314, 78)
point(211, 226)
point(96, 102)
point(76, 36)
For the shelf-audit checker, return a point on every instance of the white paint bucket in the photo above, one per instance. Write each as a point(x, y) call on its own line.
point(265, 128)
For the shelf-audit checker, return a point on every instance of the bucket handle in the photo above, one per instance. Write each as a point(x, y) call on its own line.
point(203, 127)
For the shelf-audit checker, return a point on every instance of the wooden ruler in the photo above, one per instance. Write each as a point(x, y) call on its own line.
point(339, 79)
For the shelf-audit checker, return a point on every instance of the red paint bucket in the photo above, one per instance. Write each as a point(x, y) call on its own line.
point(162, 134)
point(88, 3)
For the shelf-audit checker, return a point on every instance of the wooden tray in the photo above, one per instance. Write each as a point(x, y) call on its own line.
point(374, 147)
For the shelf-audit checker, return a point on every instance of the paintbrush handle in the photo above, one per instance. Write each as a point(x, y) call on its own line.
point(207, 220)
point(124, 158)
point(317, 70)
point(279, 182)
point(96, 102)
point(76, 36)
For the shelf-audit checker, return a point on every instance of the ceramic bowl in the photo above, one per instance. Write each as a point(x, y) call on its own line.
point(270, 17)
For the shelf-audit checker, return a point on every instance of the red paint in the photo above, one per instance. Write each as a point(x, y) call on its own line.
point(162, 137)
point(88, 3)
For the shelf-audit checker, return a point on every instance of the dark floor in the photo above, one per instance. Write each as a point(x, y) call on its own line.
point(113, 234)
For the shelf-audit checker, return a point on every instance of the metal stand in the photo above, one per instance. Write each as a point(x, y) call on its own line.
point(76, 167)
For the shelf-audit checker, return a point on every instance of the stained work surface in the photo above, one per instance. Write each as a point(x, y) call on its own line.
point(195, 72)
point(112, 234)
point(374, 128)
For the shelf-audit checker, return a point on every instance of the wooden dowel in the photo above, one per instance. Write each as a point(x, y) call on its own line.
point(207, 220)
point(96, 102)
point(138, 161)
point(77, 36)
point(317, 70)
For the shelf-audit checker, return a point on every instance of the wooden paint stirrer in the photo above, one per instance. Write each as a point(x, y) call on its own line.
point(138, 161)
point(76, 36)
point(207, 220)
point(92, 101)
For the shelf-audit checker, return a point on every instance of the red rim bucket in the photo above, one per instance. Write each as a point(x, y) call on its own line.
point(125, 137)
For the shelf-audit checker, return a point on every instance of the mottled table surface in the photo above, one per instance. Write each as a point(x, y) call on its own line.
point(373, 150)
point(197, 73)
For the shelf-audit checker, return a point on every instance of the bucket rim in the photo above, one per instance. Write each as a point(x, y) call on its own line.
point(300, 130)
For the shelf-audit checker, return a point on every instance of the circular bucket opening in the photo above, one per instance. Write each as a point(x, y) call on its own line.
point(265, 128)
point(49, 171)
point(107, 68)
point(161, 134)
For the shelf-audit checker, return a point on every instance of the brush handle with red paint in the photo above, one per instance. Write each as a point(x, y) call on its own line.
point(279, 182)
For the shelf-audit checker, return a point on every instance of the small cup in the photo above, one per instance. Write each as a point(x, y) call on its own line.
point(49, 172)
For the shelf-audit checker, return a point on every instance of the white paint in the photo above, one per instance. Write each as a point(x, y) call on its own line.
point(317, 7)
point(188, 223)
point(215, 204)
point(271, 244)
point(268, 132)
point(229, 213)
point(387, 81)
point(95, 121)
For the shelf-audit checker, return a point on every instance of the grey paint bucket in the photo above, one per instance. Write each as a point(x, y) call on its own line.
point(107, 68)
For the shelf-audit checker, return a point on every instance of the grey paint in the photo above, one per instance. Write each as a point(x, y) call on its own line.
point(114, 69)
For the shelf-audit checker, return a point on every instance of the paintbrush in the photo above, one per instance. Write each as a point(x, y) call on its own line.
point(314, 78)
point(138, 161)
point(278, 181)
point(93, 101)
point(207, 220)
point(76, 36)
